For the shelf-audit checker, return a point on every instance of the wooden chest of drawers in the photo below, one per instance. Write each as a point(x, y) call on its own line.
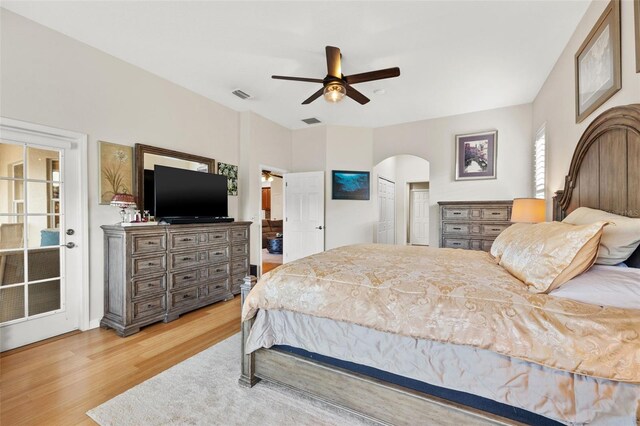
point(473, 225)
point(158, 272)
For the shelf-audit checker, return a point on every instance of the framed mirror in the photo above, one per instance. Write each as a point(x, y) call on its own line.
point(147, 157)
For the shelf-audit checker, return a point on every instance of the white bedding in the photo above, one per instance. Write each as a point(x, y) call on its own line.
point(566, 397)
point(604, 286)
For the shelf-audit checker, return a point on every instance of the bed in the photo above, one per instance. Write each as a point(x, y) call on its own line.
point(431, 340)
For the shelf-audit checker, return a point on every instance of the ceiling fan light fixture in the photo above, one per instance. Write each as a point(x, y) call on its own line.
point(334, 92)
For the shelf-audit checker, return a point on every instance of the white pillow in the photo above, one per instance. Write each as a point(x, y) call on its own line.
point(604, 286)
point(619, 239)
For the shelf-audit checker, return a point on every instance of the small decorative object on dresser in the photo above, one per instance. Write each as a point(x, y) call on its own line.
point(476, 155)
point(597, 63)
point(473, 225)
point(156, 273)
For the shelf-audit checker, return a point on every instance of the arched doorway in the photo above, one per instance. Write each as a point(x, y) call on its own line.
point(400, 188)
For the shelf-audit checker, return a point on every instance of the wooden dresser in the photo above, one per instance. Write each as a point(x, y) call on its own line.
point(473, 225)
point(157, 272)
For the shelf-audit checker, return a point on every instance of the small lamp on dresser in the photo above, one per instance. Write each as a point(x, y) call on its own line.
point(123, 202)
point(528, 210)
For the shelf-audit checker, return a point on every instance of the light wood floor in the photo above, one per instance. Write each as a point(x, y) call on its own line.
point(56, 381)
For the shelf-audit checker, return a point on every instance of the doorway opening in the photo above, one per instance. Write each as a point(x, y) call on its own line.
point(402, 200)
point(271, 214)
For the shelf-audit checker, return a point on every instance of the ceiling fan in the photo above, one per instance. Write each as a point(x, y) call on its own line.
point(336, 85)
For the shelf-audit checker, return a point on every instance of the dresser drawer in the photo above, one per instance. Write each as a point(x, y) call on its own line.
point(217, 237)
point(147, 286)
point(236, 282)
point(238, 250)
point(239, 234)
point(215, 289)
point(183, 240)
point(182, 298)
point(149, 264)
point(456, 213)
point(195, 276)
point(497, 213)
point(456, 228)
point(203, 256)
point(493, 230)
point(146, 243)
point(456, 243)
point(148, 308)
point(239, 265)
point(486, 245)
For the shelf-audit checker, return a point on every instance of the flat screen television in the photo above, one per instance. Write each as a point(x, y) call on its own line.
point(188, 194)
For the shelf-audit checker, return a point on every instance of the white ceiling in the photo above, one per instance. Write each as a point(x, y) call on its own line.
point(454, 56)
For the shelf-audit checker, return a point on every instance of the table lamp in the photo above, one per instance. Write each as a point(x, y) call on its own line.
point(123, 201)
point(528, 210)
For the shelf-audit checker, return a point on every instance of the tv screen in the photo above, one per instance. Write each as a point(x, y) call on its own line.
point(187, 193)
point(149, 192)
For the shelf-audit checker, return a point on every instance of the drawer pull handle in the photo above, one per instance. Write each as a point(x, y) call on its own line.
point(218, 270)
point(218, 286)
point(186, 239)
point(496, 213)
point(218, 236)
point(187, 258)
point(458, 229)
point(151, 243)
point(187, 277)
point(186, 296)
point(218, 253)
point(495, 229)
point(456, 244)
point(151, 264)
point(457, 213)
point(149, 306)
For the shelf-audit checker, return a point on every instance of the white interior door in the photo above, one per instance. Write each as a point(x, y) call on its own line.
point(303, 215)
point(386, 212)
point(419, 217)
point(42, 236)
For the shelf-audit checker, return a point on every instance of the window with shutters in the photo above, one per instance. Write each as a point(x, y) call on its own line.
point(539, 164)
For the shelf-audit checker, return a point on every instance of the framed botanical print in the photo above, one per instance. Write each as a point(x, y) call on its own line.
point(116, 170)
point(231, 172)
point(597, 63)
point(476, 155)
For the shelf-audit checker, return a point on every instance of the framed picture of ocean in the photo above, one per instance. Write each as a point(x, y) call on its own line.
point(349, 185)
point(476, 155)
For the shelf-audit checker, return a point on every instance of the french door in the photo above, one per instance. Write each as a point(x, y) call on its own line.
point(42, 234)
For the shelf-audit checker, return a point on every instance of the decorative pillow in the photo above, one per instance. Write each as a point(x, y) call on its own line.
point(619, 239)
point(505, 237)
point(546, 255)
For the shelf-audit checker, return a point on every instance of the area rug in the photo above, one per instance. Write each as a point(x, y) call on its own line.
point(204, 390)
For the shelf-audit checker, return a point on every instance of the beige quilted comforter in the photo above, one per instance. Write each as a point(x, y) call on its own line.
point(454, 296)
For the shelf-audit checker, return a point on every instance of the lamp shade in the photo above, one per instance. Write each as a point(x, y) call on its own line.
point(123, 200)
point(528, 210)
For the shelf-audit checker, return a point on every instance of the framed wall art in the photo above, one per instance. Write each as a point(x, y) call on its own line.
point(231, 172)
point(116, 170)
point(597, 63)
point(349, 185)
point(476, 155)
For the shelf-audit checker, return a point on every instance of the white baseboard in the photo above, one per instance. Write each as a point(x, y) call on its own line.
point(95, 323)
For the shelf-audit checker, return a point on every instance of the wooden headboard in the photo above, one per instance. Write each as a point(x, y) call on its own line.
point(605, 169)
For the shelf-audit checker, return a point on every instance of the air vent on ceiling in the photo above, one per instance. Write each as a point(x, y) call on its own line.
point(242, 95)
point(311, 120)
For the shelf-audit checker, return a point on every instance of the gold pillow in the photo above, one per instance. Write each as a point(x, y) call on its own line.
point(498, 246)
point(546, 255)
point(619, 240)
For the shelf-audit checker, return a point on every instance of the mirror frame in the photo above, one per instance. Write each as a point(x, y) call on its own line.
point(141, 149)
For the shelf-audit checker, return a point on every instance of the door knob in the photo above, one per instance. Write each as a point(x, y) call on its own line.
point(70, 231)
point(70, 245)
point(319, 227)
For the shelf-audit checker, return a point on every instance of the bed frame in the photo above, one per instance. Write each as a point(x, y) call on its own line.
point(604, 174)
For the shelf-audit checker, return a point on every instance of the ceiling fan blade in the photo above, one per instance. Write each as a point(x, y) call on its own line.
point(334, 66)
point(357, 96)
point(373, 75)
point(313, 97)
point(310, 80)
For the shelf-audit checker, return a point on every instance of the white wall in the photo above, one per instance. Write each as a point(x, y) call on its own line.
point(434, 140)
point(555, 103)
point(51, 79)
point(348, 221)
point(309, 149)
